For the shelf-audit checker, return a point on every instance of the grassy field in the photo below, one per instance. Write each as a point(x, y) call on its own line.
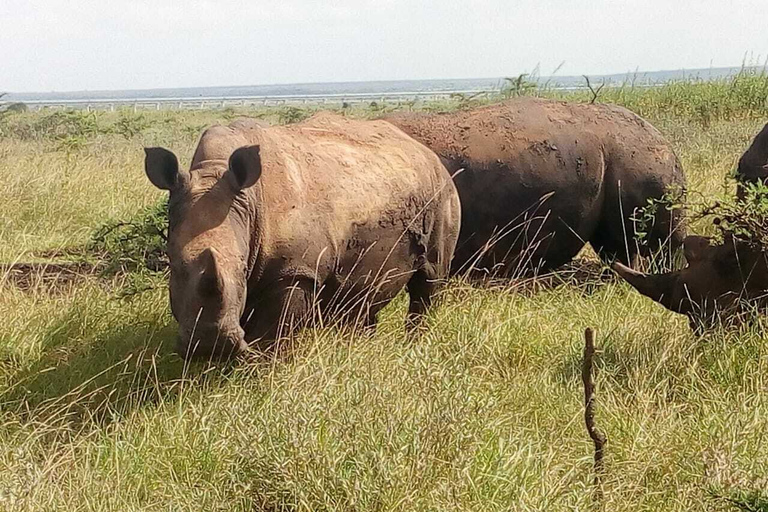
point(483, 412)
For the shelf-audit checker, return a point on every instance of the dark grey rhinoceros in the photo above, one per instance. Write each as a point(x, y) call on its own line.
point(753, 164)
point(718, 283)
point(538, 179)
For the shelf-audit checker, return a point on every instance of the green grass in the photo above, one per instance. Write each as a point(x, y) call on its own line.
point(482, 412)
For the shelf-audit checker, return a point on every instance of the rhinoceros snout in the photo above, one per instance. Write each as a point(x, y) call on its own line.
point(211, 347)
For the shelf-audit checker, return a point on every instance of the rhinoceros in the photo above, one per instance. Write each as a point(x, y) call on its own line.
point(753, 164)
point(329, 218)
point(719, 282)
point(538, 179)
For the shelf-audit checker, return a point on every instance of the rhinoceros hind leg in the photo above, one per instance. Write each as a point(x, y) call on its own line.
point(610, 251)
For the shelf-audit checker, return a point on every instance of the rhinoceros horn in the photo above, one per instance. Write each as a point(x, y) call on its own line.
point(211, 281)
point(654, 286)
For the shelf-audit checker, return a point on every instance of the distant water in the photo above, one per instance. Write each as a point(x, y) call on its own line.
point(393, 86)
point(272, 90)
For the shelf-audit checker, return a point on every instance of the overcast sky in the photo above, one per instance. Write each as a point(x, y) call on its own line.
point(65, 45)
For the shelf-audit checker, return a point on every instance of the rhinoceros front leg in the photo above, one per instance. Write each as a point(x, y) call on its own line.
point(277, 314)
point(421, 288)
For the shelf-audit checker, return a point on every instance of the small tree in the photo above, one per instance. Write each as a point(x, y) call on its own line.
point(6, 108)
point(519, 86)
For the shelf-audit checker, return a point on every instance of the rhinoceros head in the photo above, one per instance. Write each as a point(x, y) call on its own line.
point(717, 279)
point(208, 247)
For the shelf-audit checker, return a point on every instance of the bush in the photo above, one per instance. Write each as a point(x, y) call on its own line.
point(290, 115)
point(745, 220)
point(130, 124)
point(61, 125)
point(644, 218)
point(518, 86)
point(16, 107)
point(57, 126)
point(136, 245)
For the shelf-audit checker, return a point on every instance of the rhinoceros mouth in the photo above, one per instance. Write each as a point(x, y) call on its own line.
point(221, 345)
point(658, 287)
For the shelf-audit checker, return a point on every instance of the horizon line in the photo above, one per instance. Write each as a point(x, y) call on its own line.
point(283, 84)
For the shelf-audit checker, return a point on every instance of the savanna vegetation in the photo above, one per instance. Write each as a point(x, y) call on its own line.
point(484, 411)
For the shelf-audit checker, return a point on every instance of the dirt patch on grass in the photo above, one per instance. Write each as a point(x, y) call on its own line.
point(49, 277)
point(587, 274)
point(55, 277)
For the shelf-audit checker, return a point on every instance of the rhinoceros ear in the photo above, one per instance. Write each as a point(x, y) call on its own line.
point(162, 168)
point(695, 247)
point(245, 167)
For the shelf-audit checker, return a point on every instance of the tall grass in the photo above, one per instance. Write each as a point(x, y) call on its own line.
point(743, 96)
point(481, 412)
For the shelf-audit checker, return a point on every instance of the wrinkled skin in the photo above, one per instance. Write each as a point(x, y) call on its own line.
point(538, 179)
point(273, 227)
point(717, 284)
point(753, 165)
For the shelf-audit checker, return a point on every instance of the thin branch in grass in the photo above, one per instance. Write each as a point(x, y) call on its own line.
point(162, 234)
point(598, 437)
point(109, 229)
point(748, 501)
point(595, 92)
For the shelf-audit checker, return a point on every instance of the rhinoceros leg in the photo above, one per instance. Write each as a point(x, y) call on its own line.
point(421, 287)
point(614, 242)
point(661, 248)
point(278, 314)
point(632, 180)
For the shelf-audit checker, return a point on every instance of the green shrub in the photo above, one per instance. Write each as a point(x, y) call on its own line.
point(72, 123)
point(518, 86)
point(16, 107)
point(745, 220)
point(645, 218)
point(56, 126)
point(290, 115)
point(135, 245)
point(130, 124)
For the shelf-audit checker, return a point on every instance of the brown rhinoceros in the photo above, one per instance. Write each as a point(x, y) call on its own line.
point(273, 225)
point(717, 284)
point(538, 179)
point(753, 164)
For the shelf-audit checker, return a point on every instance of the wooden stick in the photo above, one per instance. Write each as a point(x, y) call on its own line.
point(598, 437)
point(595, 93)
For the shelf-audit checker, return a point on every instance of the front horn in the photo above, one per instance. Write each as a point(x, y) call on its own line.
point(657, 287)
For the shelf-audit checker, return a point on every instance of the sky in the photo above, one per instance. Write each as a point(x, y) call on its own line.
point(66, 45)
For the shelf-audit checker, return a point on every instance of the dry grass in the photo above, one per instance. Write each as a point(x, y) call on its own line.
point(482, 412)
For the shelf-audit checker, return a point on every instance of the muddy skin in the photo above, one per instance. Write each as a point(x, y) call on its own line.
point(719, 284)
point(538, 179)
point(272, 228)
